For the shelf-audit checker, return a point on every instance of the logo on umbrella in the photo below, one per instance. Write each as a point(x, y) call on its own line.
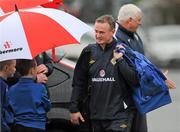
point(7, 47)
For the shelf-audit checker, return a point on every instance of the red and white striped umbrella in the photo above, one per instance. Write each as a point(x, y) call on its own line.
point(8, 5)
point(26, 33)
point(54, 4)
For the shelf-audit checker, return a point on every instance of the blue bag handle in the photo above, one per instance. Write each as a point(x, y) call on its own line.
point(131, 52)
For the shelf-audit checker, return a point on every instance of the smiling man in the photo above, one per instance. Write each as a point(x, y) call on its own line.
point(106, 82)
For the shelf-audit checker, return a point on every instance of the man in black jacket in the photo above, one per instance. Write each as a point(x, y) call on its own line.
point(109, 76)
point(129, 19)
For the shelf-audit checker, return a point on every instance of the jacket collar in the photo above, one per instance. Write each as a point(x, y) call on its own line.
point(26, 79)
point(3, 79)
point(109, 45)
point(129, 33)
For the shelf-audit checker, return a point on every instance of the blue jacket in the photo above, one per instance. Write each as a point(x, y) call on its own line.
point(29, 103)
point(152, 91)
point(4, 104)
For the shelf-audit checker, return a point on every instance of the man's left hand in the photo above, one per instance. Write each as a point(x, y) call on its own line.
point(42, 69)
point(169, 83)
point(42, 78)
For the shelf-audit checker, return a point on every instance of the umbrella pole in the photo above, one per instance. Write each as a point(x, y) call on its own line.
point(53, 49)
point(54, 54)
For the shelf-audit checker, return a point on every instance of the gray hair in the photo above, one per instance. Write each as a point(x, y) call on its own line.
point(127, 11)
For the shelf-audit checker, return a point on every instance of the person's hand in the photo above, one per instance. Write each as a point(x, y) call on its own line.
point(118, 55)
point(42, 69)
point(169, 83)
point(42, 78)
point(76, 117)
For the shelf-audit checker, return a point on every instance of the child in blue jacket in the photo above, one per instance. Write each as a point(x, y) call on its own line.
point(7, 69)
point(29, 100)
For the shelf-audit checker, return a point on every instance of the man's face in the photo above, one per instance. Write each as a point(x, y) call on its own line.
point(11, 68)
point(103, 33)
point(134, 23)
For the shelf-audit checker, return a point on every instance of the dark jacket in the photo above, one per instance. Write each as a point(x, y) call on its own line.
point(108, 87)
point(131, 39)
point(4, 105)
point(29, 103)
point(43, 58)
point(135, 43)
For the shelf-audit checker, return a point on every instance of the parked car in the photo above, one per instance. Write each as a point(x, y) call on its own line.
point(163, 45)
point(59, 85)
point(73, 51)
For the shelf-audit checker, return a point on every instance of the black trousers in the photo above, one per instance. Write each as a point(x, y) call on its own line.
point(20, 128)
point(139, 123)
point(121, 124)
point(111, 125)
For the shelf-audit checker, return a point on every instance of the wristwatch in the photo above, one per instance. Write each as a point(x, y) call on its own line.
point(114, 61)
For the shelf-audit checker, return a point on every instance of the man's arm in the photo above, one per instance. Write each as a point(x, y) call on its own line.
point(129, 72)
point(80, 81)
point(80, 84)
point(125, 67)
point(48, 63)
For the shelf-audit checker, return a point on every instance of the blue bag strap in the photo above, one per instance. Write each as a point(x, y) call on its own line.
point(129, 51)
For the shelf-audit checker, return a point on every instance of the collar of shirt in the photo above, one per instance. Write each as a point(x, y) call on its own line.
point(26, 79)
point(3, 79)
point(109, 45)
point(129, 33)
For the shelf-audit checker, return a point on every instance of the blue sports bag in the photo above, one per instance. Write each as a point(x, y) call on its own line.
point(152, 91)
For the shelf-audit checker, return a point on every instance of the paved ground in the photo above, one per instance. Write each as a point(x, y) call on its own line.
point(167, 118)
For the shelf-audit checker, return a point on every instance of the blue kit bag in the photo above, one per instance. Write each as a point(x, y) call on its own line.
point(152, 91)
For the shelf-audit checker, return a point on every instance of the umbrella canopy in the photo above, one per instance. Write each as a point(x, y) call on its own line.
point(26, 33)
point(8, 5)
point(54, 4)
